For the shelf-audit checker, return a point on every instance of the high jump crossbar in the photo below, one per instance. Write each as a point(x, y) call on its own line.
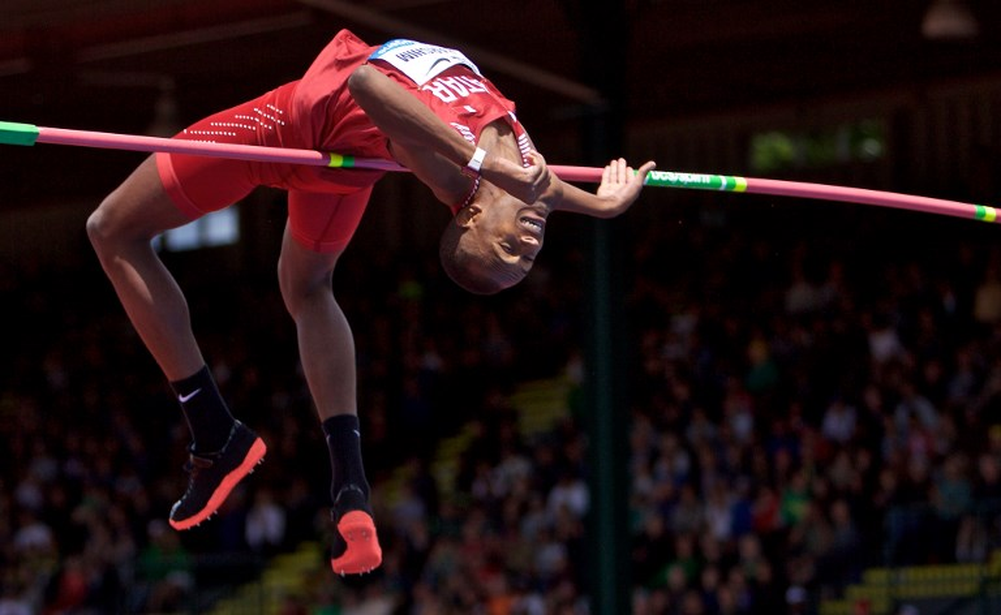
point(15, 133)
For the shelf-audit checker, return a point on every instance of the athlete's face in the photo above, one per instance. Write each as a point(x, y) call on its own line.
point(506, 235)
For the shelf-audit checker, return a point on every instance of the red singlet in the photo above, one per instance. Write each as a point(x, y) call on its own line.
point(317, 112)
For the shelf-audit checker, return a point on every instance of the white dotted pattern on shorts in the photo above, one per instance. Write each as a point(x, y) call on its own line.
point(264, 119)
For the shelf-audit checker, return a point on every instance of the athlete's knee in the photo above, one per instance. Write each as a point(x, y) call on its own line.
point(301, 286)
point(100, 229)
point(134, 212)
point(300, 296)
point(106, 225)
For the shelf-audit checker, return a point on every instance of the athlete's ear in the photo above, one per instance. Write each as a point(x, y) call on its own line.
point(468, 215)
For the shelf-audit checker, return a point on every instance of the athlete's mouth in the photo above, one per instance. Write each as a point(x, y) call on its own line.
point(535, 226)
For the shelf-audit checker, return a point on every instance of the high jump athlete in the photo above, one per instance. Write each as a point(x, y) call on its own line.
point(426, 107)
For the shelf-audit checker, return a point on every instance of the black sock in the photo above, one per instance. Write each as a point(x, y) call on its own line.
point(348, 489)
point(207, 414)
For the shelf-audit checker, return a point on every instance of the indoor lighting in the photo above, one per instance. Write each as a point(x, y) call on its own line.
point(949, 19)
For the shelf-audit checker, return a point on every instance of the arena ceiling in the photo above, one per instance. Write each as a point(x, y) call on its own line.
point(104, 64)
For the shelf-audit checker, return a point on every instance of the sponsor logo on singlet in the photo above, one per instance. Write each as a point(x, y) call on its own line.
point(420, 62)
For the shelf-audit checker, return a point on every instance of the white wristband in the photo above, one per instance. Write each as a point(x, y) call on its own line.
point(472, 168)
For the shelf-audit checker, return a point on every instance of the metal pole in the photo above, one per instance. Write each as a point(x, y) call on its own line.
point(604, 54)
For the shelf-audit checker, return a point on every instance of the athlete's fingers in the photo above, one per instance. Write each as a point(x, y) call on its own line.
point(538, 175)
point(644, 170)
point(606, 174)
point(622, 170)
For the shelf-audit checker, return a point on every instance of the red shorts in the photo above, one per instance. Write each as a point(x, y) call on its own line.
point(325, 206)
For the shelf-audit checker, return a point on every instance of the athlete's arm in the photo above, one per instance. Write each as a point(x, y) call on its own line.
point(411, 125)
point(619, 188)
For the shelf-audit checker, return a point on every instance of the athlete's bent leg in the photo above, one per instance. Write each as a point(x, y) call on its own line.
point(326, 348)
point(121, 230)
point(223, 451)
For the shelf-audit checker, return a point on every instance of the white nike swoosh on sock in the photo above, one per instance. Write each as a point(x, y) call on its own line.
point(357, 433)
point(184, 398)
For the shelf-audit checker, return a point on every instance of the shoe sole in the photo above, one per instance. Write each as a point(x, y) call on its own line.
point(254, 456)
point(363, 553)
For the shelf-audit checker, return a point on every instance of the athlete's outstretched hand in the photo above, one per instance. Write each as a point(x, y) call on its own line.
point(620, 186)
point(527, 184)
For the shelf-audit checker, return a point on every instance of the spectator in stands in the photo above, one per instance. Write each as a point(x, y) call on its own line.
point(694, 433)
point(265, 523)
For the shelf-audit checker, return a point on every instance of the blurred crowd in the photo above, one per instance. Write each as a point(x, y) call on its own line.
point(803, 402)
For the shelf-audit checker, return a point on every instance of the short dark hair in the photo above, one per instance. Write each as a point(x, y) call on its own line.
point(459, 264)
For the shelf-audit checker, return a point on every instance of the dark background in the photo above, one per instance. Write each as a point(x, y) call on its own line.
point(102, 65)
